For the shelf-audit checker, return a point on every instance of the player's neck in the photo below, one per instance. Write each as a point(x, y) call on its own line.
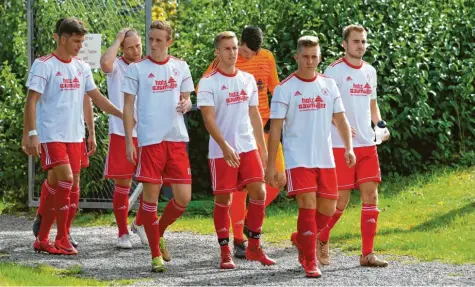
point(62, 54)
point(159, 58)
point(305, 74)
point(356, 62)
point(227, 69)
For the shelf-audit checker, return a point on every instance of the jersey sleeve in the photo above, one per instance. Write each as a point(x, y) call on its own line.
point(114, 67)
point(30, 72)
point(205, 94)
point(337, 101)
point(374, 85)
point(279, 104)
point(273, 76)
point(254, 98)
point(89, 79)
point(40, 75)
point(131, 81)
point(331, 72)
point(187, 83)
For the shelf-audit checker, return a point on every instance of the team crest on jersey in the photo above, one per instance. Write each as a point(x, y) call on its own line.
point(310, 104)
point(237, 97)
point(325, 91)
point(70, 84)
point(175, 72)
point(79, 73)
point(164, 85)
point(360, 90)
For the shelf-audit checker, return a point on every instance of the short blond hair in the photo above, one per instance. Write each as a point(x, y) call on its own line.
point(222, 36)
point(307, 41)
point(350, 28)
point(162, 25)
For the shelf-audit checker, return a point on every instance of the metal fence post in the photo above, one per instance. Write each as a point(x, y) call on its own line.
point(31, 57)
point(148, 22)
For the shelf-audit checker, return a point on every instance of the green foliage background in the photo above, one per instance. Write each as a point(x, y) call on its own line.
point(422, 51)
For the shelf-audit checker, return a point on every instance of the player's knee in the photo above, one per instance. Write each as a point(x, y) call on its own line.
point(76, 179)
point(281, 180)
point(224, 199)
point(183, 200)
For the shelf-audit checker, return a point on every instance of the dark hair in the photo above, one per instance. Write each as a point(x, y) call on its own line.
point(70, 26)
point(58, 23)
point(252, 37)
point(162, 25)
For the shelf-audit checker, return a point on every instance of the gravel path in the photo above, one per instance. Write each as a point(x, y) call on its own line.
point(196, 257)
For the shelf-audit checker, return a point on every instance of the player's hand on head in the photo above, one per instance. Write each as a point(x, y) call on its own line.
point(121, 35)
point(231, 157)
point(131, 153)
point(353, 132)
point(91, 145)
point(350, 158)
point(33, 146)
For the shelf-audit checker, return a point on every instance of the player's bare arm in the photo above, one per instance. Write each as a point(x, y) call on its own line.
point(271, 175)
point(129, 123)
point(103, 103)
point(89, 119)
point(184, 105)
point(107, 60)
point(344, 129)
point(230, 155)
point(33, 144)
point(376, 118)
point(256, 123)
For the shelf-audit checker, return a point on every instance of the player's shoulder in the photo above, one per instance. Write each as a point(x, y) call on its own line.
point(43, 62)
point(80, 62)
point(176, 59)
point(368, 66)
point(287, 81)
point(45, 59)
point(245, 74)
point(266, 53)
point(211, 75)
point(326, 79)
point(337, 63)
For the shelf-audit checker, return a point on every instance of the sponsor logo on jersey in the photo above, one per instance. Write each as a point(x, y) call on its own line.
point(58, 74)
point(164, 85)
point(297, 93)
point(349, 79)
point(224, 88)
point(360, 90)
point(309, 104)
point(151, 76)
point(237, 97)
point(70, 84)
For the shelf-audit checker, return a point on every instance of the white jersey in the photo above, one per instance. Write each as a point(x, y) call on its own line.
point(62, 86)
point(157, 87)
point(307, 107)
point(357, 86)
point(115, 80)
point(231, 96)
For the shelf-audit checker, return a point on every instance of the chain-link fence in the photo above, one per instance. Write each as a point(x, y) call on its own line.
point(104, 17)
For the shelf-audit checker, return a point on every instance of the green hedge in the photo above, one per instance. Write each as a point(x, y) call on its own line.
point(422, 50)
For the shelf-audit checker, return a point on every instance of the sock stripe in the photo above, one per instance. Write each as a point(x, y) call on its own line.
point(121, 190)
point(221, 205)
point(258, 202)
point(149, 208)
point(177, 207)
point(65, 184)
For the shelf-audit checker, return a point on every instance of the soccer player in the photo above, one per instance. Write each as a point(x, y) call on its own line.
point(228, 101)
point(117, 167)
point(305, 104)
point(89, 148)
point(57, 84)
point(161, 84)
point(357, 83)
point(260, 63)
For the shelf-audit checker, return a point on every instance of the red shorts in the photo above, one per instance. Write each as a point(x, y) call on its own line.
point(319, 180)
point(57, 153)
point(117, 166)
point(84, 157)
point(164, 162)
point(366, 168)
point(226, 179)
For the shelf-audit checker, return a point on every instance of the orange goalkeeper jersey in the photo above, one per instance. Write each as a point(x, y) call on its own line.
point(263, 68)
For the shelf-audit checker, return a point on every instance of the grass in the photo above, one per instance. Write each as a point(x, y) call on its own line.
point(43, 275)
point(426, 216)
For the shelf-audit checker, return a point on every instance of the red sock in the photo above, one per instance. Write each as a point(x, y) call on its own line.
point(369, 223)
point(307, 232)
point(138, 218)
point(120, 204)
point(237, 212)
point(322, 220)
point(44, 194)
point(325, 232)
point(221, 222)
point(255, 219)
point(150, 223)
point(61, 204)
point(171, 213)
point(48, 214)
point(73, 206)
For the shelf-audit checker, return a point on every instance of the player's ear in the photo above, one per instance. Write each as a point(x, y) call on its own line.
point(55, 37)
point(296, 56)
point(344, 44)
point(169, 42)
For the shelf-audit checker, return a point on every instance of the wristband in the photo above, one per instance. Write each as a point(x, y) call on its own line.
point(32, 133)
point(381, 124)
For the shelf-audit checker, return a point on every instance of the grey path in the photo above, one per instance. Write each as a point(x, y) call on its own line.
point(196, 257)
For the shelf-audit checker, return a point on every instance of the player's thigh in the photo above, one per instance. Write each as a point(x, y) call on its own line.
point(181, 193)
point(151, 163)
point(151, 192)
point(177, 167)
point(75, 152)
point(301, 180)
point(117, 166)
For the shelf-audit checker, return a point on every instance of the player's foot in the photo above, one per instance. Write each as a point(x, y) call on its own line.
point(73, 241)
point(293, 238)
point(226, 258)
point(37, 225)
point(163, 249)
point(323, 252)
point(257, 254)
point(312, 270)
point(65, 247)
point(158, 265)
point(240, 250)
point(371, 260)
point(123, 242)
point(140, 231)
point(45, 246)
